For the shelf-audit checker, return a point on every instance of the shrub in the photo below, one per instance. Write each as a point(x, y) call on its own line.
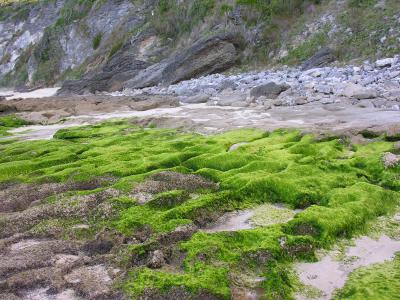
point(115, 49)
point(361, 3)
point(172, 19)
point(97, 40)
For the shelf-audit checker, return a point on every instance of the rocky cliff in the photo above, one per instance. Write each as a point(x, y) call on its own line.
point(106, 45)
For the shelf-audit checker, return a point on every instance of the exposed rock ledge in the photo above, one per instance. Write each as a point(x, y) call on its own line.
point(206, 56)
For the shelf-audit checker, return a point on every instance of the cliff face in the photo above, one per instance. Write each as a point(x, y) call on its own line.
point(109, 44)
point(44, 42)
point(23, 28)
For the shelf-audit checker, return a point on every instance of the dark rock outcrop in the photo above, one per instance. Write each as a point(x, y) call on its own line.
point(114, 73)
point(206, 56)
point(319, 59)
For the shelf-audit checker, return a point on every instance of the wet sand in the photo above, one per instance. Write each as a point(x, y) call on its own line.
point(330, 274)
point(213, 119)
point(39, 93)
point(263, 215)
point(232, 221)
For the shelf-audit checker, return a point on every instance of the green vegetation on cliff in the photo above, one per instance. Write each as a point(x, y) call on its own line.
point(341, 187)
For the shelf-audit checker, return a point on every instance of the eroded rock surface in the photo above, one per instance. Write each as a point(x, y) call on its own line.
point(168, 181)
point(36, 263)
point(17, 197)
point(207, 56)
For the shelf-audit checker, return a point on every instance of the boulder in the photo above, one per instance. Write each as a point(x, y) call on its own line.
point(301, 100)
point(390, 160)
point(323, 89)
point(207, 56)
point(393, 95)
point(229, 97)
point(227, 83)
point(271, 90)
point(319, 59)
point(357, 91)
point(156, 259)
point(386, 62)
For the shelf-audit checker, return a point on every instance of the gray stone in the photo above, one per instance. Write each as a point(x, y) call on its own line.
point(236, 146)
point(394, 74)
point(315, 72)
point(324, 89)
point(392, 95)
point(156, 260)
point(300, 101)
point(367, 80)
point(229, 97)
point(386, 62)
point(227, 83)
point(270, 90)
point(201, 98)
point(277, 102)
point(359, 92)
point(390, 160)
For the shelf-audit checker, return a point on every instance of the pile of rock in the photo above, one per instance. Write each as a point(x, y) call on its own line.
point(369, 85)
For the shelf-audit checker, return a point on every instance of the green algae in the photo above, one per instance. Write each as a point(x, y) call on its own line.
point(268, 214)
point(170, 199)
point(340, 193)
point(9, 122)
point(388, 225)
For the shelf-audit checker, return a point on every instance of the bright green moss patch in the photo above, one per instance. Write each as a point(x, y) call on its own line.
point(138, 216)
point(341, 188)
point(209, 278)
point(9, 122)
point(380, 281)
point(348, 210)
